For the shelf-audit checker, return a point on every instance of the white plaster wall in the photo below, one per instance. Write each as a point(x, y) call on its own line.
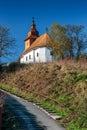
point(22, 60)
point(49, 57)
point(43, 55)
point(27, 55)
point(37, 58)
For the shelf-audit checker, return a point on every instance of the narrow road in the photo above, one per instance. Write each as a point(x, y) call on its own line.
point(30, 116)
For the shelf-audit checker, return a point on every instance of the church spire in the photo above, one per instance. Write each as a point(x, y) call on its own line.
point(33, 34)
point(33, 31)
point(33, 24)
point(33, 20)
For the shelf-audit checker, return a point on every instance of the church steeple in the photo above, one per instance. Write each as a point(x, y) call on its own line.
point(32, 35)
point(33, 31)
point(33, 24)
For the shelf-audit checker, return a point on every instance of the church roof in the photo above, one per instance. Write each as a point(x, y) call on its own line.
point(41, 41)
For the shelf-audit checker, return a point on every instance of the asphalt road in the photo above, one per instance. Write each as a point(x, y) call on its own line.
point(30, 116)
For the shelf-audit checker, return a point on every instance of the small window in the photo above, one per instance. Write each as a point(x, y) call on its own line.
point(37, 54)
point(51, 52)
point(26, 58)
point(29, 56)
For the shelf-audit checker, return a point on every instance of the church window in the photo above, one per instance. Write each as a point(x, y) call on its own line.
point(51, 52)
point(37, 54)
point(29, 56)
point(26, 58)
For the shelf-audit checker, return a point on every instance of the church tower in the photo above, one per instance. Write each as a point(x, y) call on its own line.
point(32, 35)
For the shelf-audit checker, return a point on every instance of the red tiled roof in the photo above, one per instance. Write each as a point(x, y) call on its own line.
point(41, 41)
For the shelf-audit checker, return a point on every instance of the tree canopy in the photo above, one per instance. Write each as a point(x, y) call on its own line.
point(69, 40)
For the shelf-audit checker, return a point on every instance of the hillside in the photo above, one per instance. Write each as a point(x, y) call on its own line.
point(61, 85)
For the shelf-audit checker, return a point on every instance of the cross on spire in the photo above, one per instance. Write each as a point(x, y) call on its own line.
point(33, 31)
point(33, 20)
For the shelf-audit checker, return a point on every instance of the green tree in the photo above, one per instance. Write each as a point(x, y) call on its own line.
point(7, 43)
point(60, 42)
point(69, 40)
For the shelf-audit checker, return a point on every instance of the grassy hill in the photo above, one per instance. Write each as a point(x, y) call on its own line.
point(61, 86)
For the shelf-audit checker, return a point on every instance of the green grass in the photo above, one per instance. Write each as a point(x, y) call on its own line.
point(53, 109)
point(30, 97)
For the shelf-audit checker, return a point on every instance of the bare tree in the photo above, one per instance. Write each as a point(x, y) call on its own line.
point(7, 43)
point(78, 40)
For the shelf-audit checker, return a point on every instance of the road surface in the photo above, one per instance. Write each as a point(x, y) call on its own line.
point(30, 116)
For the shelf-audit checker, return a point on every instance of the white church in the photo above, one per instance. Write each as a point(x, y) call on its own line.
point(36, 47)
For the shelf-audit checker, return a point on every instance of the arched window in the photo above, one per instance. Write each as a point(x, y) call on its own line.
point(37, 54)
point(29, 56)
point(26, 58)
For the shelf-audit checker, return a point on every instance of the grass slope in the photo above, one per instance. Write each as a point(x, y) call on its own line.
point(61, 87)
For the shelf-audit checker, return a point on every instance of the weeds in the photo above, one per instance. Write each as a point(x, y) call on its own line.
point(9, 121)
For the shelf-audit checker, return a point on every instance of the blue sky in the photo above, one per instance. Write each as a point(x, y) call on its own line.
point(17, 15)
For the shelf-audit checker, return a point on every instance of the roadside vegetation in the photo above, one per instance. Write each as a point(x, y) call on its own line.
point(59, 86)
point(7, 117)
point(9, 121)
